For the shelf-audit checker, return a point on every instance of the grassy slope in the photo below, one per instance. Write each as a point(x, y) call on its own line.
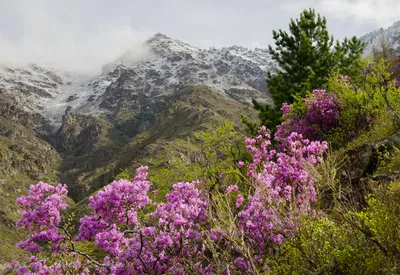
point(195, 108)
point(98, 149)
point(24, 160)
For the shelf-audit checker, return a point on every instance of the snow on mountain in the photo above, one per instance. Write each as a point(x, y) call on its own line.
point(373, 39)
point(30, 85)
point(237, 72)
point(45, 91)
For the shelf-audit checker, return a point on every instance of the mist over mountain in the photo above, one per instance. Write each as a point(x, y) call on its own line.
point(167, 66)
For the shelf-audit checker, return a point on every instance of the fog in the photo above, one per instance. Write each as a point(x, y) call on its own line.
point(50, 34)
point(82, 35)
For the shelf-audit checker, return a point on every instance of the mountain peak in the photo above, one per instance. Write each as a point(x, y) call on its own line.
point(162, 44)
point(373, 39)
point(160, 35)
point(156, 70)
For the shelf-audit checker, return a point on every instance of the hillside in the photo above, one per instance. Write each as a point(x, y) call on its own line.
point(26, 158)
point(85, 130)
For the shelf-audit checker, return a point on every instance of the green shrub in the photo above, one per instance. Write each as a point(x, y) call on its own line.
point(347, 241)
point(370, 106)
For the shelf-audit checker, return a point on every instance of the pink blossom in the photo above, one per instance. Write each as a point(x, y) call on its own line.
point(239, 200)
point(231, 188)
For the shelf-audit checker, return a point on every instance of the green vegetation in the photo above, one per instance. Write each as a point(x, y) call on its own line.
point(347, 241)
point(307, 56)
point(371, 107)
point(178, 146)
point(24, 160)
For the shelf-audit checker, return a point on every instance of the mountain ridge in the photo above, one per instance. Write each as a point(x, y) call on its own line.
point(170, 65)
point(373, 39)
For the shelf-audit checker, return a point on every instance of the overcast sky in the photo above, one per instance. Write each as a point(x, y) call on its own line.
point(83, 34)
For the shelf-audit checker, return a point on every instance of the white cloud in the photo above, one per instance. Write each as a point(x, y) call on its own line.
point(53, 33)
point(85, 34)
point(380, 13)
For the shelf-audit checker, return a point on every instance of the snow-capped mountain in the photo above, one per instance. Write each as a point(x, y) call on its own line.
point(236, 72)
point(373, 39)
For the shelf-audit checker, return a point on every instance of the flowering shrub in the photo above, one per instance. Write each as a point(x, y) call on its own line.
point(37, 266)
point(368, 105)
point(247, 230)
point(169, 242)
point(137, 236)
point(41, 216)
point(283, 190)
point(319, 117)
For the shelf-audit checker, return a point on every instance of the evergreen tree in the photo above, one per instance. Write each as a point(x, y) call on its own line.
point(306, 56)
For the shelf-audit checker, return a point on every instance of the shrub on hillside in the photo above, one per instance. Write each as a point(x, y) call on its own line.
point(138, 236)
point(313, 118)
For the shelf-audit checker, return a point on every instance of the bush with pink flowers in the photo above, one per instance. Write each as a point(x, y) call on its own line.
point(318, 115)
point(139, 236)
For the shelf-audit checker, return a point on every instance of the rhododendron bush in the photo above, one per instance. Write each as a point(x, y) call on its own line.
point(319, 116)
point(281, 192)
point(135, 235)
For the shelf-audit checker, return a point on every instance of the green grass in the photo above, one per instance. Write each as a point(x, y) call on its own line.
point(25, 159)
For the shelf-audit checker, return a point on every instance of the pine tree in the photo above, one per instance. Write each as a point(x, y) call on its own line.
point(306, 56)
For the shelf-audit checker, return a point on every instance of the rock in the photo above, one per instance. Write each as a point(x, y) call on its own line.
point(91, 98)
point(362, 161)
point(5, 268)
point(381, 178)
point(361, 164)
point(72, 98)
point(10, 109)
point(143, 126)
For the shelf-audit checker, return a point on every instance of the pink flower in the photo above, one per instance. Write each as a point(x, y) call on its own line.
point(286, 108)
point(239, 200)
point(241, 263)
point(231, 188)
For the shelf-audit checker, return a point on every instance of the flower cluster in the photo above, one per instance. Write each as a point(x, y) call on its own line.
point(345, 79)
point(170, 241)
point(37, 266)
point(41, 216)
point(118, 203)
point(322, 110)
point(320, 116)
point(283, 189)
point(138, 236)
